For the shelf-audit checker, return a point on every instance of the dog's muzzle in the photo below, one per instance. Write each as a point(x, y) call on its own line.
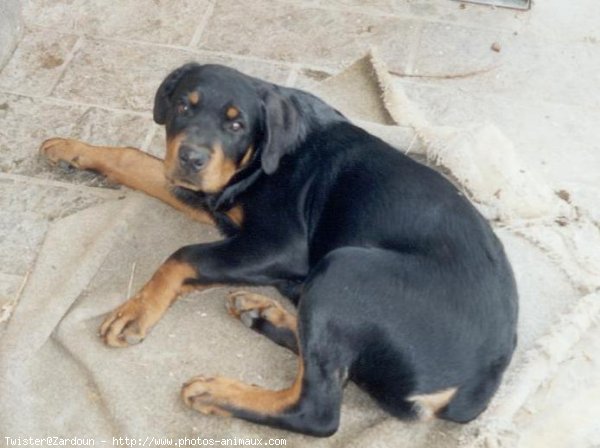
point(193, 159)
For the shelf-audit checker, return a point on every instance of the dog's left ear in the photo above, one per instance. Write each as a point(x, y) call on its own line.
point(284, 128)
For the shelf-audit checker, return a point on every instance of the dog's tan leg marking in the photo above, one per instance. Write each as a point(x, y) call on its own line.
point(222, 396)
point(130, 322)
point(247, 306)
point(430, 404)
point(126, 166)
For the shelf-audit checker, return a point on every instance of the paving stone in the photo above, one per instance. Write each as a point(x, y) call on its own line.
point(50, 202)
point(552, 71)
point(527, 68)
point(566, 22)
point(22, 233)
point(147, 20)
point(480, 16)
point(117, 74)
point(157, 146)
point(269, 71)
point(446, 49)
point(300, 33)
point(126, 75)
point(9, 286)
point(11, 28)
point(371, 6)
point(308, 78)
point(9, 290)
point(26, 122)
point(37, 63)
point(545, 135)
point(25, 213)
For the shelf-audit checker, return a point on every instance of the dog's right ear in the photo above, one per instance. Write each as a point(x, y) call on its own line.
point(162, 99)
point(285, 128)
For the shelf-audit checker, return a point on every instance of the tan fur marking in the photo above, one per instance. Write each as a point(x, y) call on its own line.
point(214, 395)
point(247, 156)
point(281, 318)
point(219, 170)
point(431, 404)
point(167, 283)
point(126, 166)
point(236, 214)
point(172, 155)
point(130, 322)
point(232, 112)
point(269, 309)
point(194, 97)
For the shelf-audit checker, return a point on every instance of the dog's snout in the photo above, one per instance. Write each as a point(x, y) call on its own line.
point(194, 157)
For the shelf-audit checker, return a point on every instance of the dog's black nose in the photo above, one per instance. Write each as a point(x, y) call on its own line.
point(193, 158)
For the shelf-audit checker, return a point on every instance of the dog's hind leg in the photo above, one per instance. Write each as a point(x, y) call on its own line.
point(126, 166)
point(311, 405)
point(265, 316)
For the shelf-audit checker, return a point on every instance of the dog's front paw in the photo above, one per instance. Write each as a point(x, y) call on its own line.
point(126, 325)
point(208, 395)
point(70, 151)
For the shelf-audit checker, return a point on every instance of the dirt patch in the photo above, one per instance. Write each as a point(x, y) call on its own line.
point(50, 61)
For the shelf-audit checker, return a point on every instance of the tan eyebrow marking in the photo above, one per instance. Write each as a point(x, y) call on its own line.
point(194, 97)
point(232, 112)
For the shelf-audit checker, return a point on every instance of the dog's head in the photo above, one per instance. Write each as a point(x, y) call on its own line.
point(218, 120)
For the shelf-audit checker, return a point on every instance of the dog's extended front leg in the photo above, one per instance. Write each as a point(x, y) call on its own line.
point(126, 166)
point(130, 322)
point(232, 261)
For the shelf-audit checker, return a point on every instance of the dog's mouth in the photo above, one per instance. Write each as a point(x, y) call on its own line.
point(197, 168)
point(183, 183)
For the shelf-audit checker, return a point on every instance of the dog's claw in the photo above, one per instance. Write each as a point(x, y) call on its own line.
point(127, 325)
point(132, 339)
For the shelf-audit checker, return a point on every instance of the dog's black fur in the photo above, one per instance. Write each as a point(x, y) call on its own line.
point(401, 285)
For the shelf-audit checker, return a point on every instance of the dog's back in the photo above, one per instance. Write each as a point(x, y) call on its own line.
point(416, 274)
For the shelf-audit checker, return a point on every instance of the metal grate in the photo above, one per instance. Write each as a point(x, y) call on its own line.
point(514, 4)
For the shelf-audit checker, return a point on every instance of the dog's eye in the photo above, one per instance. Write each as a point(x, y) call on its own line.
point(236, 126)
point(182, 108)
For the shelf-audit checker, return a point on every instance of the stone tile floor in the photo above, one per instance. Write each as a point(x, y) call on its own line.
point(88, 69)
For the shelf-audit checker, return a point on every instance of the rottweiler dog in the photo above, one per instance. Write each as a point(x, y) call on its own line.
point(400, 284)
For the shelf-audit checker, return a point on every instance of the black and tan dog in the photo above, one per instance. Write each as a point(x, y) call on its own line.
point(400, 284)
